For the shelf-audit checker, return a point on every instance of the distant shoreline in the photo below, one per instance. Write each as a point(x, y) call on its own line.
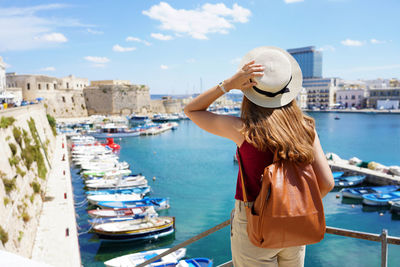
point(365, 111)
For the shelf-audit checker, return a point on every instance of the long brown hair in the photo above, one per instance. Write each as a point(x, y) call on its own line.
point(285, 130)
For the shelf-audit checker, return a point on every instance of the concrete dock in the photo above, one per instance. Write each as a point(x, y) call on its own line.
point(56, 240)
point(374, 177)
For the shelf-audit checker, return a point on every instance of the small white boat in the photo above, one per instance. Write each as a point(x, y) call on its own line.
point(112, 130)
point(135, 259)
point(115, 179)
point(94, 199)
point(116, 184)
point(110, 213)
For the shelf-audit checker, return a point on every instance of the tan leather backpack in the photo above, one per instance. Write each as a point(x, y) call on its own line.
point(288, 210)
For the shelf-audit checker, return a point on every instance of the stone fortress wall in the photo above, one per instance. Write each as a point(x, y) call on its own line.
point(23, 181)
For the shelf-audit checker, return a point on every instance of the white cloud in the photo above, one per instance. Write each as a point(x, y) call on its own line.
point(22, 28)
point(48, 69)
point(55, 37)
point(292, 1)
point(198, 23)
point(94, 31)
point(191, 60)
point(349, 42)
point(138, 40)
point(375, 41)
point(236, 60)
point(327, 48)
point(97, 60)
point(161, 36)
point(7, 65)
point(164, 67)
point(118, 48)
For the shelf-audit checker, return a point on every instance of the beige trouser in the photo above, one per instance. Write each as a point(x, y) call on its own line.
point(245, 254)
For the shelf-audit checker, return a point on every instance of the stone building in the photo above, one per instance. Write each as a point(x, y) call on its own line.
point(349, 98)
point(378, 96)
point(301, 99)
point(63, 97)
point(116, 98)
point(321, 92)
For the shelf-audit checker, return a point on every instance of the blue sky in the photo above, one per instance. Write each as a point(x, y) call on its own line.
point(172, 45)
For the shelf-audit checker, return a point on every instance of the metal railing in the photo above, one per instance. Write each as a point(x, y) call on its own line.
point(383, 238)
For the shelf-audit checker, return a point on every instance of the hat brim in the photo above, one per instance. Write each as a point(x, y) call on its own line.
point(280, 100)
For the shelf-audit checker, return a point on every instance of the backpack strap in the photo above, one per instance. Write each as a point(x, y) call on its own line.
point(241, 175)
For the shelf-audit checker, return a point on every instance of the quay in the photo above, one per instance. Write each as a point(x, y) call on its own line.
point(374, 177)
point(56, 240)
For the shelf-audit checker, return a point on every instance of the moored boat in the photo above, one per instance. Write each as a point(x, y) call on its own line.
point(381, 199)
point(337, 174)
point(109, 213)
point(137, 190)
point(158, 203)
point(94, 199)
point(146, 228)
point(395, 206)
point(108, 184)
point(358, 192)
point(345, 181)
point(135, 259)
point(112, 130)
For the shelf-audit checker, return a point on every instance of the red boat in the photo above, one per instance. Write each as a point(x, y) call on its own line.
point(110, 143)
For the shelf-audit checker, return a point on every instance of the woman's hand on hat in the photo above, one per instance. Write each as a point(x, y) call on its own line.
point(243, 78)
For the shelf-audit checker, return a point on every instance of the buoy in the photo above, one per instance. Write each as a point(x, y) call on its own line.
point(337, 196)
point(62, 145)
point(154, 178)
point(67, 232)
point(154, 152)
point(352, 205)
point(381, 214)
point(65, 195)
point(63, 172)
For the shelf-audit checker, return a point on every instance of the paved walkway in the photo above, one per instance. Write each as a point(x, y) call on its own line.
point(53, 245)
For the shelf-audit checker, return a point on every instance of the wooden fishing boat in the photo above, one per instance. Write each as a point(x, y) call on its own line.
point(107, 173)
point(381, 199)
point(109, 213)
point(358, 192)
point(135, 259)
point(146, 228)
point(158, 203)
point(345, 181)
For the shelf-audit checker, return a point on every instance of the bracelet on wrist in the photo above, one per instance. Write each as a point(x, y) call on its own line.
point(222, 87)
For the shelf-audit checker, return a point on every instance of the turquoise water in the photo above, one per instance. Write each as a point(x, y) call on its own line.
point(196, 171)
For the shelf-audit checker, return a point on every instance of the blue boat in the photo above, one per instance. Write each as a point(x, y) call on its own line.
point(158, 203)
point(358, 192)
point(195, 262)
point(345, 181)
point(381, 199)
point(136, 190)
point(118, 219)
point(337, 174)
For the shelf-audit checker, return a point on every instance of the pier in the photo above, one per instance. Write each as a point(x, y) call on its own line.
point(374, 177)
point(56, 240)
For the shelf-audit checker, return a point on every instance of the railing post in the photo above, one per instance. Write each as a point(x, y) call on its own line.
point(384, 251)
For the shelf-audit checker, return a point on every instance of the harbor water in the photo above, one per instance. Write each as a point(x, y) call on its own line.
point(196, 171)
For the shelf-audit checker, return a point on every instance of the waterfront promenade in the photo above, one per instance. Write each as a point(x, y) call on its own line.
point(56, 240)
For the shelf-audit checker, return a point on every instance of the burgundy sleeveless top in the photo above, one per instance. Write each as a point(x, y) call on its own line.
point(254, 161)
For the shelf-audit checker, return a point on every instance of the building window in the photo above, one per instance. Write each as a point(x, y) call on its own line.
point(72, 99)
point(346, 97)
point(353, 97)
point(55, 86)
point(38, 86)
point(67, 85)
point(28, 86)
point(63, 99)
point(47, 86)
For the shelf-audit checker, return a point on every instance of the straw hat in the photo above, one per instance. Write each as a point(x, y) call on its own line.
point(282, 79)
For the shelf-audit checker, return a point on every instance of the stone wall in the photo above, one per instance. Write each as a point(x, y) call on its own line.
point(117, 99)
point(21, 203)
point(167, 105)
